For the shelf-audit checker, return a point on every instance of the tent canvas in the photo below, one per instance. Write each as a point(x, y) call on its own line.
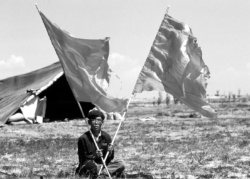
point(60, 100)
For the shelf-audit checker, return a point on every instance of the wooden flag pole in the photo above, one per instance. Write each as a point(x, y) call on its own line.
point(166, 13)
point(103, 162)
point(81, 109)
point(118, 128)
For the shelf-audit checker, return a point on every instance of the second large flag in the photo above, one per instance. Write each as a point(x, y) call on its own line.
point(175, 65)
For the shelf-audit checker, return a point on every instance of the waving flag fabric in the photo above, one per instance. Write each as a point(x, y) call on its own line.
point(85, 66)
point(175, 65)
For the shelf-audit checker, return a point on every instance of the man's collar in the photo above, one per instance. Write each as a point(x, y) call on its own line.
point(98, 136)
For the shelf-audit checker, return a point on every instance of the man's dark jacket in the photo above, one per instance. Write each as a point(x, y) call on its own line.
point(87, 148)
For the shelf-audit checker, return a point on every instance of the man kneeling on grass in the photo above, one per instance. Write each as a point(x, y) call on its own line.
point(89, 157)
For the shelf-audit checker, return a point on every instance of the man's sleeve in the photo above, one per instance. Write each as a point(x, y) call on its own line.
point(82, 152)
point(112, 154)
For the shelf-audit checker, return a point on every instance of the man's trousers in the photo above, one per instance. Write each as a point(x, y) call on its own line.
point(90, 168)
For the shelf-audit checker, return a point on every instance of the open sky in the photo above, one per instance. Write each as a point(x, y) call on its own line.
point(222, 28)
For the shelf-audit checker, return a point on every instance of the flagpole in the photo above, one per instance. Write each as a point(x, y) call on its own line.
point(118, 128)
point(79, 106)
point(93, 138)
point(166, 13)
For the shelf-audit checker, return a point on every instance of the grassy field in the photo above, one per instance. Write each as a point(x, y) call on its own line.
point(170, 145)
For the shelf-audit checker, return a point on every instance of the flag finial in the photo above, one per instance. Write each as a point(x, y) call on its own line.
point(37, 7)
point(167, 10)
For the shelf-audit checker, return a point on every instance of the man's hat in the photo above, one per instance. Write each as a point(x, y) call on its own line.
point(95, 113)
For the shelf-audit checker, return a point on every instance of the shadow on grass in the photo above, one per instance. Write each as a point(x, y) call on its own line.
point(139, 175)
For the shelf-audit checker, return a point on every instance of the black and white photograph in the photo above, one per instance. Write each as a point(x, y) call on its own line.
point(124, 89)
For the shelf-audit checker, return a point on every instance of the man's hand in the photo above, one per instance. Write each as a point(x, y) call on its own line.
point(99, 153)
point(110, 148)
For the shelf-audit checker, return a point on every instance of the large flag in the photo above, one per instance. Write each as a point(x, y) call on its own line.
point(175, 65)
point(86, 68)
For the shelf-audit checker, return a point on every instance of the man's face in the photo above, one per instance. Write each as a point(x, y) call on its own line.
point(96, 123)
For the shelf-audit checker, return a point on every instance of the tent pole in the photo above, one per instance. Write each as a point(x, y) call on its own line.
point(43, 88)
point(118, 128)
point(93, 137)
